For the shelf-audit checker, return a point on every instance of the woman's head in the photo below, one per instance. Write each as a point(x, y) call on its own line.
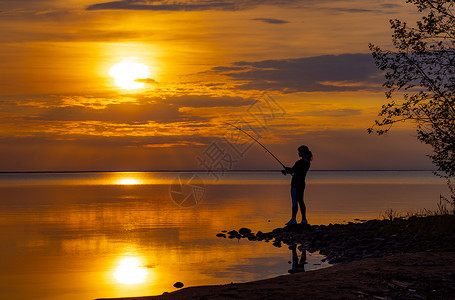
point(305, 152)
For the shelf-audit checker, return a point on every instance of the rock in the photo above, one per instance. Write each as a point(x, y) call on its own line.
point(178, 284)
point(234, 234)
point(221, 235)
point(244, 231)
point(277, 230)
point(252, 237)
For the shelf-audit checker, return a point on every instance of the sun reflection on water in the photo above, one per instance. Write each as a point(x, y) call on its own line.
point(130, 270)
point(128, 181)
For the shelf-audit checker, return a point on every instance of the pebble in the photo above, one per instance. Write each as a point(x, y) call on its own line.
point(178, 284)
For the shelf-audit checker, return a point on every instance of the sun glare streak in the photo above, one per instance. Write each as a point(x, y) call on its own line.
point(126, 73)
point(130, 270)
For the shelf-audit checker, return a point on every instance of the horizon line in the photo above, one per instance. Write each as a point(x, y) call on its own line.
point(205, 171)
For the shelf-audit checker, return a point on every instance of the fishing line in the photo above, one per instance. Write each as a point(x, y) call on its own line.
point(258, 143)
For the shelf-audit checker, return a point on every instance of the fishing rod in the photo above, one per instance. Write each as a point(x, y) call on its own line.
point(258, 143)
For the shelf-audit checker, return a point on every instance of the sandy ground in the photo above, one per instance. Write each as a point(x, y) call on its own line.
point(422, 275)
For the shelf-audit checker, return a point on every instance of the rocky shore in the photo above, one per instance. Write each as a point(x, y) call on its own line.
point(363, 239)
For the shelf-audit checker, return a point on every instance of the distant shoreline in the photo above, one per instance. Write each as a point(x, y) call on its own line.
point(195, 171)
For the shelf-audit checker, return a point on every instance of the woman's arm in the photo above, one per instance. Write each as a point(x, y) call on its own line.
point(288, 170)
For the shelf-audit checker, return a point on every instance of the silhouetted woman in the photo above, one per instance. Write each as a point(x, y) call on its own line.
point(298, 172)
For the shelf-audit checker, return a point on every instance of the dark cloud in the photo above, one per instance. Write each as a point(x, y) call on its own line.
point(147, 80)
point(32, 8)
point(76, 35)
point(232, 5)
point(24, 4)
point(355, 10)
point(207, 101)
point(146, 109)
point(227, 69)
point(127, 113)
point(148, 5)
point(270, 21)
point(105, 141)
point(227, 5)
point(215, 84)
point(390, 5)
point(328, 73)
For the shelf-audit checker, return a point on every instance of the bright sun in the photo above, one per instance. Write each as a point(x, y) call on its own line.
point(126, 73)
point(130, 271)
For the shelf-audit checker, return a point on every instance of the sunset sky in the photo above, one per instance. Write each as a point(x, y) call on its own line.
point(206, 63)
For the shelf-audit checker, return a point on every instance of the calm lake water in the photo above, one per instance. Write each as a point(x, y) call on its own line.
point(93, 235)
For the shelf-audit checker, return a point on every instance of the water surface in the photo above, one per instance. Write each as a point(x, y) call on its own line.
point(91, 235)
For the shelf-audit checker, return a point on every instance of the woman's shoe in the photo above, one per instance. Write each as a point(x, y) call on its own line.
point(292, 222)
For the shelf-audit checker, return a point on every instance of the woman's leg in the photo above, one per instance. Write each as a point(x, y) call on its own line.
point(299, 196)
point(295, 208)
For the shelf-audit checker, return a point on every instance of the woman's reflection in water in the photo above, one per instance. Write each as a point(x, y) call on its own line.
point(297, 265)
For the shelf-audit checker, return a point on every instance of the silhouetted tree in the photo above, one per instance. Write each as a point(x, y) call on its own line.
point(422, 69)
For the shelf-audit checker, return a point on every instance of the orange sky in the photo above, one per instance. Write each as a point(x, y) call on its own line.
point(210, 62)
